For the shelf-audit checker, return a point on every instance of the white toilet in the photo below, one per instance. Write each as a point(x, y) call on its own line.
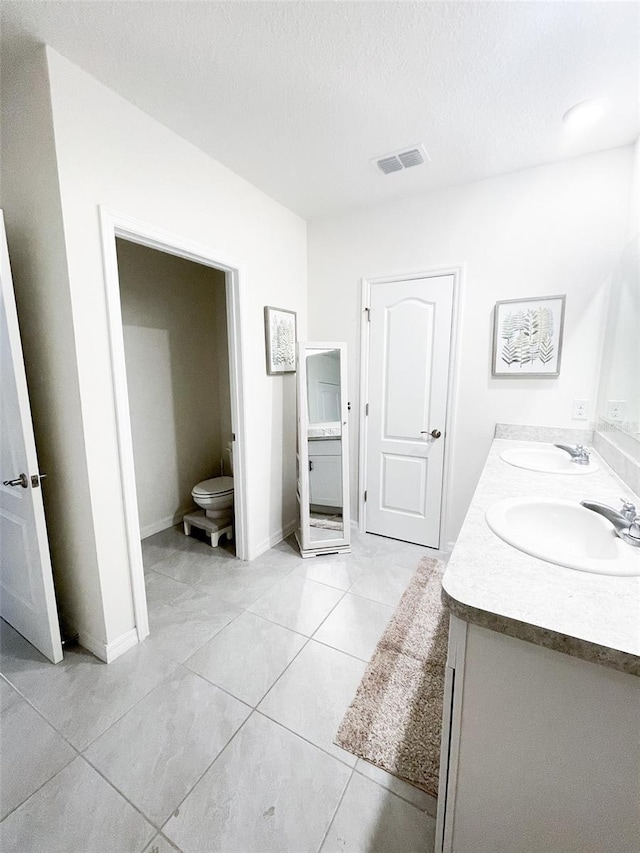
point(215, 496)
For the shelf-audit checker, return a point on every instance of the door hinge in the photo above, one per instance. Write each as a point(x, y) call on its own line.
point(368, 310)
point(366, 410)
point(233, 436)
point(365, 495)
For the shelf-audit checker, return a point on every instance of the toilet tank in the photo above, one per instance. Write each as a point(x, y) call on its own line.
point(229, 458)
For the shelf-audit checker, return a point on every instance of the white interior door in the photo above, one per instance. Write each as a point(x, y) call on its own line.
point(27, 597)
point(409, 348)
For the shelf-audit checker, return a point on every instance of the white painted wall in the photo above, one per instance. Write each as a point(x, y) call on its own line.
point(110, 153)
point(551, 229)
point(31, 202)
point(175, 369)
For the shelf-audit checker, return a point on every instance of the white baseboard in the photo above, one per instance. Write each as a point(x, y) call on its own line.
point(108, 652)
point(163, 524)
point(275, 537)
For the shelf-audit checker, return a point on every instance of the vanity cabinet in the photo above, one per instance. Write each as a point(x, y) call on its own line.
point(325, 472)
point(540, 752)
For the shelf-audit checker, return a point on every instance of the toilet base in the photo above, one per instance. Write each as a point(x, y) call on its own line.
point(213, 530)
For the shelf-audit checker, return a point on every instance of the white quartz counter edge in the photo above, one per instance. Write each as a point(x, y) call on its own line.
point(486, 574)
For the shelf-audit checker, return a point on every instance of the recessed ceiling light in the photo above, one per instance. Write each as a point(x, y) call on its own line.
point(583, 115)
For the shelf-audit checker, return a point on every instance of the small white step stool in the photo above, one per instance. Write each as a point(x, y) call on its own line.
point(199, 519)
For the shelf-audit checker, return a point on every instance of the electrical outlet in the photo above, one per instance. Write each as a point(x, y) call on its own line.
point(579, 410)
point(615, 410)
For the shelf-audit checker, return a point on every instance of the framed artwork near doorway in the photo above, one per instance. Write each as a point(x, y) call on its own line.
point(527, 336)
point(280, 340)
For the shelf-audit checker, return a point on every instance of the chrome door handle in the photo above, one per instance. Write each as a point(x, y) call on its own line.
point(22, 480)
point(435, 433)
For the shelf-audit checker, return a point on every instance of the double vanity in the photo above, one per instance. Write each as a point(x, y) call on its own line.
point(541, 729)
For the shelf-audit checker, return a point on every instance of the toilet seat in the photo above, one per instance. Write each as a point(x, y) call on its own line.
point(215, 487)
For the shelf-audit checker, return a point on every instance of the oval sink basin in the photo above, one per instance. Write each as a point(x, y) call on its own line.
point(550, 460)
point(564, 533)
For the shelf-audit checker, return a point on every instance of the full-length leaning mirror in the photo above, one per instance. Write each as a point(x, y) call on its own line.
point(323, 449)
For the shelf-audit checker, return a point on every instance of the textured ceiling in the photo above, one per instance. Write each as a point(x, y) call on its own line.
point(298, 96)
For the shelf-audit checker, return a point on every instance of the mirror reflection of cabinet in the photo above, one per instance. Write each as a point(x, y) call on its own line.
point(323, 448)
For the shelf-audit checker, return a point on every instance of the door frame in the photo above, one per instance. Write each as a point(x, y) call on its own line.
point(452, 384)
point(112, 225)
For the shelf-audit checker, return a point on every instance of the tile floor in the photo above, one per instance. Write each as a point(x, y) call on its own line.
point(216, 733)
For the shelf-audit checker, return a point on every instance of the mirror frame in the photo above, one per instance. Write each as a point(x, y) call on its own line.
point(340, 545)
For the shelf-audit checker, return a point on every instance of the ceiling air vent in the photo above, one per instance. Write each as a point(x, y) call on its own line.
point(396, 161)
point(390, 164)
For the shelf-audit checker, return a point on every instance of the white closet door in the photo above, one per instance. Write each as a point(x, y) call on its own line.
point(410, 335)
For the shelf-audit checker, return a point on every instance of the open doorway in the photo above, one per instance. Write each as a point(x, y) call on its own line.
point(175, 334)
point(174, 320)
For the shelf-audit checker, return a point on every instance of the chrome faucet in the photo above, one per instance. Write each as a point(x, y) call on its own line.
point(579, 453)
point(626, 522)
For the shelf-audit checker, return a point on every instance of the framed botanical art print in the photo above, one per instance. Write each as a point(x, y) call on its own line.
point(280, 337)
point(527, 336)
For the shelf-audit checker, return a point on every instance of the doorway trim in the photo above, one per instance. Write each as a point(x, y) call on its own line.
point(452, 384)
point(112, 225)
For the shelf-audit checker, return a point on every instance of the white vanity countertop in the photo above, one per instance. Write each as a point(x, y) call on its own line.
point(594, 617)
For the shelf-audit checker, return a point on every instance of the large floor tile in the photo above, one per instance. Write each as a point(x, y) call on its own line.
point(364, 544)
point(81, 696)
point(268, 792)
point(416, 796)
point(340, 571)
point(171, 738)
point(373, 820)
point(180, 628)
point(355, 626)
point(162, 589)
point(75, 812)
point(285, 553)
point(31, 750)
point(384, 584)
point(242, 583)
point(191, 566)
point(159, 844)
point(165, 543)
point(247, 656)
point(298, 604)
point(313, 694)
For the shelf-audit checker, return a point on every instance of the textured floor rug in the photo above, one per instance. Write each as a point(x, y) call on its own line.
point(395, 718)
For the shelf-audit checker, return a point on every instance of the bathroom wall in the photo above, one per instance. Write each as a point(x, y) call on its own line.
point(30, 199)
point(105, 151)
point(552, 229)
point(174, 326)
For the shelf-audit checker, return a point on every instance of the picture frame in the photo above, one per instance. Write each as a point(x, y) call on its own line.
point(280, 329)
point(527, 337)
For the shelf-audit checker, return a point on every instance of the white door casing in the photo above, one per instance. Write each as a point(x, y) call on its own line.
point(27, 596)
point(410, 330)
point(112, 225)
